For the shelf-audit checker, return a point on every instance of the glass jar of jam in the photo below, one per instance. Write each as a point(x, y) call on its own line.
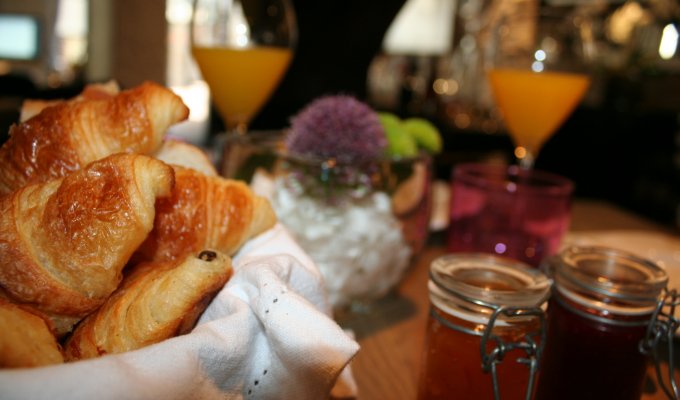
point(484, 331)
point(602, 303)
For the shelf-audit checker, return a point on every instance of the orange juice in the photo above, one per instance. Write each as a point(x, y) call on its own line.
point(535, 104)
point(241, 80)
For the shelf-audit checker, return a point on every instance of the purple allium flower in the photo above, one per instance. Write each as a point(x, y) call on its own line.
point(339, 127)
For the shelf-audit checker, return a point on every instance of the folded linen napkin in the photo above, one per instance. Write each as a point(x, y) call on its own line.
point(267, 335)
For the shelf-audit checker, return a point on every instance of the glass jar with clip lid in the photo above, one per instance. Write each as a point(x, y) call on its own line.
point(608, 312)
point(485, 330)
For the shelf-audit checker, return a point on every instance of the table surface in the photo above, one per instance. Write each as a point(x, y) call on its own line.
point(391, 332)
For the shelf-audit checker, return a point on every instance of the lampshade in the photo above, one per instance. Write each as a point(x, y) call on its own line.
point(422, 27)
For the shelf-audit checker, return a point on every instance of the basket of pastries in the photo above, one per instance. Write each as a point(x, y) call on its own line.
point(130, 269)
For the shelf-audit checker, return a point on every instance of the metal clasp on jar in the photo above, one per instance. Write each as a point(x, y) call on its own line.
point(662, 327)
point(533, 349)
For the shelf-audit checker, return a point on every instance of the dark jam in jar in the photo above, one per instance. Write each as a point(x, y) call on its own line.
point(602, 302)
point(465, 290)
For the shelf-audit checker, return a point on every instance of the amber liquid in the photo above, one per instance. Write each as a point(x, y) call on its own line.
point(586, 359)
point(536, 104)
point(241, 80)
point(452, 367)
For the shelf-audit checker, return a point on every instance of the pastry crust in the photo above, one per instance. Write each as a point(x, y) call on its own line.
point(155, 302)
point(93, 91)
point(205, 212)
point(64, 137)
point(185, 155)
point(64, 243)
point(26, 339)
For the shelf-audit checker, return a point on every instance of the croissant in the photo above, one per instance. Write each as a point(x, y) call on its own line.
point(67, 136)
point(205, 212)
point(93, 91)
point(26, 339)
point(156, 301)
point(64, 243)
point(185, 155)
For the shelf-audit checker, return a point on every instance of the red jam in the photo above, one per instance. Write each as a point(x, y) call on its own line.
point(603, 300)
point(588, 359)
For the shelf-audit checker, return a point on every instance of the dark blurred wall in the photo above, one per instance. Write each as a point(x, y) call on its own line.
point(139, 41)
point(338, 39)
point(626, 150)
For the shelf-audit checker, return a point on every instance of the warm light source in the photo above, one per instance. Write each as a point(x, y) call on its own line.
point(669, 42)
point(537, 66)
point(445, 87)
point(240, 32)
point(540, 55)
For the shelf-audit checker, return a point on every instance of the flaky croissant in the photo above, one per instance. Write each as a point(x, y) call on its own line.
point(205, 212)
point(93, 91)
point(175, 152)
point(155, 302)
point(67, 136)
point(64, 243)
point(26, 339)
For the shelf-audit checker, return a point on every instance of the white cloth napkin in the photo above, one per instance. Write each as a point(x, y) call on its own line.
point(267, 335)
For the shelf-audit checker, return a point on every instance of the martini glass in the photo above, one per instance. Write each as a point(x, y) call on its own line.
point(243, 49)
point(536, 71)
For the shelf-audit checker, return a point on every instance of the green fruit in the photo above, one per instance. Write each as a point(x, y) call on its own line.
point(400, 143)
point(388, 119)
point(424, 133)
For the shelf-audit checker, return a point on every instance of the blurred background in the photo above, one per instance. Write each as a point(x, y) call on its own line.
point(410, 57)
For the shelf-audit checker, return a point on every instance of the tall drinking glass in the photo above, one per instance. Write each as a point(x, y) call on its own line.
point(535, 70)
point(243, 49)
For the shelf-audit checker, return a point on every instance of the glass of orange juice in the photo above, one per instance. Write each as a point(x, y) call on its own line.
point(243, 49)
point(536, 70)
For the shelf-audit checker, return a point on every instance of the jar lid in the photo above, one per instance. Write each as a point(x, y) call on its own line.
point(609, 279)
point(488, 281)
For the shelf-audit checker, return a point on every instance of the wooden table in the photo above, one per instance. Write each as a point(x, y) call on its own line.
point(391, 333)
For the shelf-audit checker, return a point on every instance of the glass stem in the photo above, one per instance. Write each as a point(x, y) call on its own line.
point(527, 162)
point(241, 128)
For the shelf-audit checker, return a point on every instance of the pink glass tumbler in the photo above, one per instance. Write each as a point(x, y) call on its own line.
point(509, 211)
